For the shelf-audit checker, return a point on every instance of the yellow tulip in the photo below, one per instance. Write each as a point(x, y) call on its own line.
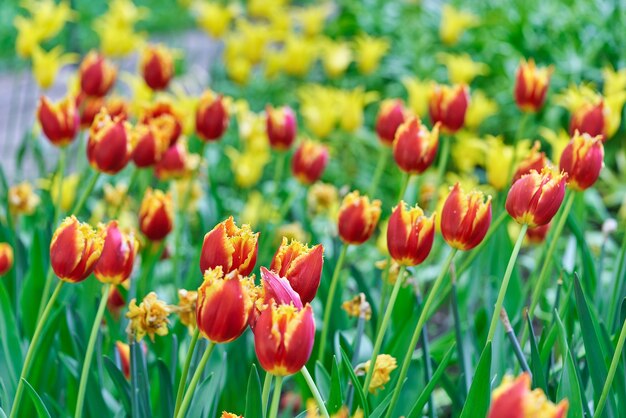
point(454, 23)
point(68, 193)
point(265, 8)
point(419, 94)
point(256, 210)
point(46, 65)
point(213, 18)
point(141, 95)
point(274, 62)
point(312, 18)
point(185, 105)
point(369, 51)
point(28, 36)
point(468, 152)
point(557, 140)
point(317, 107)
point(117, 41)
point(480, 108)
point(499, 159)
point(615, 103)
point(300, 54)
point(461, 68)
point(336, 57)
point(614, 81)
point(124, 13)
point(48, 16)
point(351, 104)
point(247, 166)
point(576, 96)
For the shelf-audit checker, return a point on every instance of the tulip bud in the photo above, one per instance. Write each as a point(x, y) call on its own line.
point(531, 86)
point(514, 399)
point(174, 163)
point(6, 258)
point(582, 159)
point(118, 255)
point(152, 140)
point(156, 214)
point(535, 160)
point(309, 161)
point(410, 235)
point(448, 105)
point(74, 250)
point(89, 107)
point(96, 74)
point(109, 146)
point(390, 116)
point(538, 234)
point(590, 119)
point(165, 110)
point(230, 247)
point(59, 121)
point(414, 148)
point(465, 218)
point(277, 290)
point(281, 125)
point(536, 197)
point(157, 66)
point(115, 302)
point(225, 303)
point(283, 338)
point(301, 266)
point(357, 218)
point(123, 351)
point(212, 116)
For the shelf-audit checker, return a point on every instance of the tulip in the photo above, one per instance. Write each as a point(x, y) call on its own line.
point(414, 148)
point(369, 51)
point(74, 250)
point(225, 303)
point(117, 107)
point(301, 266)
point(453, 24)
point(410, 235)
point(149, 318)
point(582, 159)
point(357, 218)
point(276, 290)
point(212, 116)
point(123, 351)
point(118, 255)
point(109, 146)
point(465, 218)
point(89, 107)
point(536, 197)
point(165, 110)
point(283, 338)
point(590, 118)
point(174, 163)
point(151, 141)
point(96, 74)
point(6, 258)
point(309, 161)
point(115, 302)
point(531, 86)
point(156, 214)
point(230, 247)
point(535, 160)
point(157, 66)
point(448, 106)
point(514, 399)
point(281, 126)
point(390, 116)
point(538, 234)
point(60, 121)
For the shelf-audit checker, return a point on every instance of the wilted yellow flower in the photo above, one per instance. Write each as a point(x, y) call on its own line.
point(292, 231)
point(453, 24)
point(557, 140)
point(46, 65)
point(369, 51)
point(480, 108)
point(187, 307)
point(257, 211)
point(419, 94)
point(213, 17)
point(383, 367)
point(300, 54)
point(350, 106)
point(318, 109)
point(461, 68)
point(22, 199)
point(323, 198)
point(150, 317)
point(358, 306)
point(336, 57)
point(614, 81)
point(312, 18)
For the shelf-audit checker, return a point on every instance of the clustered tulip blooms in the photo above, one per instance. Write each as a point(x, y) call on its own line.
point(6, 258)
point(448, 105)
point(410, 235)
point(118, 255)
point(151, 141)
point(358, 218)
point(157, 66)
point(391, 115)
point(60, 121)
point(164, 110)
point(281, 126)
point(309, 161)
point(465, 218)
point(96, 74)
point(229, 247)
point(514, 399)
point(582, 160)
point(212, 116)
point(156, 214)
point(109, 146)
point(414, 147)
point(531, 86)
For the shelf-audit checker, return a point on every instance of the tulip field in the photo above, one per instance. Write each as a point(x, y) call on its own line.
point(348, 208)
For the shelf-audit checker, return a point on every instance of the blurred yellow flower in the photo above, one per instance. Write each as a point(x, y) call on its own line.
point(311, 19)
point(117, 42)
point(46, 65)
point(115, 196)
point(615, 103)
point(141, 95)
point(186, 308)
point(318, 109)
point(480, 108)
point(124, 13)
point(358, 306)
point(461, 68)
point(350, 106)
point(381, 241)
point(453, 24)
point(300, 54)
point(468, 152)
point(336, 57)
point(576, 96)
point(265, 8)
point(47, 17)
point(28, 36)
point(419, 94)
point(253, 37)
point(68, 186)
point(189, 186)
point(256, 210)
point(280, 26)
point(614, 81)
point(557, 140)
point(185, 104)
point(213, 18)
point(291, 231)
point(369, 51)
point(323, 198)
point(501, 158)
point(247, 166)
point(22, 199)
point(274, 62)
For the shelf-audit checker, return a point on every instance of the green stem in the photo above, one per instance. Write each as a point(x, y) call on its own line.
point(467, 262)
point(505, 282)
point(383, 293)
point(276, 397)
point(278, 173)
point(329, 301)
point(441, 169)
point(467, 380)
point(315, 392)
point(84, 377)
point(195, 379)
point(133, 179)
point(59, 183)
point(183, 377)
point(380, 336)
point(383, 156)
point(265, 397)
point(611, 375)
point(518, 136)
point(83, 198)
point(405, 183)
point(423, 317)
point(152, 259)
point(46, 291)
point(32, 348)
point(617, 287)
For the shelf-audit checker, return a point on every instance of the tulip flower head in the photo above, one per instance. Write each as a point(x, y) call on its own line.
point(74, 250)
point(301, 266)
point(60, 121)
point(212, 116)
point(118, 255)
point(531, 85)
point(6, 258)
point(535, 160)
point(115, 302)
point(390, 116)
point(96, 74)
point(176, 162)
point(454, 23)
point(109, 146)
point(151, 141)
point(186, 309)
point(582, 160)
point(22, 199)
point(309, 161)
point(383, 367)
point(225, 303)
point(149, 318)
point(538, 234)
point(465, 218)
point(165, 110)
point(283, 338)
point(410, 235)
point(275, 290)
point(281, 126)
point(590, 118)
point(369, 51)
point(156, 214)
point(230, 247)
point(536, 197)
point(414, 147)
point(448, 105)
point(157, 66)
point(358, 218)
point(514, 399)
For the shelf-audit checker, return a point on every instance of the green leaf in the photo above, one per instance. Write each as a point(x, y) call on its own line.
point(569, 387)
point(335, 398)
point(254, 404)
point(140, 388)
point(42, 411)
point(479, 396)
point(9, 341)
point(166, 391)
point(120, 382)
point(358, 389)
point(2, 413)
point(418, 406)
point(322, 379)
point(198, 402)
point(382, 407)
point(536, 367)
